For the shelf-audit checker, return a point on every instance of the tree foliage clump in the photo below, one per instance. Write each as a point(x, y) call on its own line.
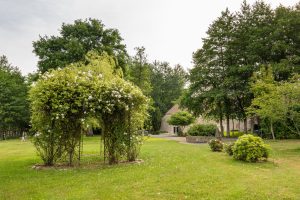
point(181, 119)
point(276, 102)
point(14, 107)
point(236, 46)
point(168, 85)
point(139, 71)
point(75, 41)
point(65, 102)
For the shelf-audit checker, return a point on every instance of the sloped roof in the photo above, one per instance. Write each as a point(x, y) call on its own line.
point(173, 110)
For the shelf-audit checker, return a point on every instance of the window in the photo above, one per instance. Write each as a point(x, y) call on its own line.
point(175, 129)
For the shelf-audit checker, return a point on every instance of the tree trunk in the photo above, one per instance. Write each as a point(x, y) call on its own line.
point(221, 126)
point(245, 125)
point(252, 124)
point(227, 126)
point(272, 130)
point(70, 158)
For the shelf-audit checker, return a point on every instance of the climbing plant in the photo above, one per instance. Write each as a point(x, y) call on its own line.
point(64, 102)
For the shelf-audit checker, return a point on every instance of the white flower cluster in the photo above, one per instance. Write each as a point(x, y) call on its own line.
point(47, 75)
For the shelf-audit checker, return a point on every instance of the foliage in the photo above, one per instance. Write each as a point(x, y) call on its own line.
point(206, 94)
point(167, 86)
point(286, 43)
point(236, 46)
point(139, 71)
point(75, 41)
point(276, 102)
point(181, 118)
point(234, 133)
point(202, 130)
point(216, 145)
point(250, 148)
point(228, 148)
point(14, 110)
point(64, 101)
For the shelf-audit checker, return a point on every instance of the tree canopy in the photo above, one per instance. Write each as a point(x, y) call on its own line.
point(168, 84)
point(236, 46)
point(276, 102)
point(139, 71)
point(75, 41)
point(182, 118)
point(14, 111)
point(159, 81)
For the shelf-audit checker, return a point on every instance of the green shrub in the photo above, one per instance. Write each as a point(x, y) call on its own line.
point(202, 130)
point(250, 148)
point(228, 148)
point(216, 145)
point(234, 133)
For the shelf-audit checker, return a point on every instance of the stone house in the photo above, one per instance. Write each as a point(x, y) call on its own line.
point(166, 127)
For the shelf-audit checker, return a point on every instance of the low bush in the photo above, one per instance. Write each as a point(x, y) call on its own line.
point(202, 130)
point(250, 148)
point(234, 133)
point(228, 148)
point(216, 145)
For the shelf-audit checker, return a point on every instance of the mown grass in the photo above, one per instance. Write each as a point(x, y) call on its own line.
point(170, 171)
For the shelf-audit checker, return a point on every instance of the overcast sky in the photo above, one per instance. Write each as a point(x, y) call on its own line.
point(170, 30)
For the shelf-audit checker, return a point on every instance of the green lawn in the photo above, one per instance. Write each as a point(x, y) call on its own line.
point(170, 171)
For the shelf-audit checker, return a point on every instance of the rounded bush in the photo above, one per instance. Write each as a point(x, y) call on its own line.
point(202, 130)
point(216, 145)
point(250, 148)
point(228, 148)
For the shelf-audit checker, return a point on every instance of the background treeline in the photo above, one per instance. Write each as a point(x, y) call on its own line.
point(221, 84)
point(236, 47)
point(14, 113)
point(158, 80)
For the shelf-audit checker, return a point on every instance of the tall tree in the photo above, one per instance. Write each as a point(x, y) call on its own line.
point(139, 70)
point(208, 94)
point(286, 42)
point(167, 84)
point(14, 112)
point(252, 47)
point(276, 102)
point(235, 47)
point(75, 41)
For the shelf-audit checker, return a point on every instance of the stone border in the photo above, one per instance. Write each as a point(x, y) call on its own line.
point(198, 139)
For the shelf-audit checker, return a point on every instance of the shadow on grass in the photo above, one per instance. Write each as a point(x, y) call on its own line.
point(86, 164)
point(294, 151)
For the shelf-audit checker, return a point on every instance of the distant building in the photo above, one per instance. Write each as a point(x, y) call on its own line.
point(166, 127)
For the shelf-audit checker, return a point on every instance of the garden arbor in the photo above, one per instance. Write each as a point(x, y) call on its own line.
point(65, 102)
